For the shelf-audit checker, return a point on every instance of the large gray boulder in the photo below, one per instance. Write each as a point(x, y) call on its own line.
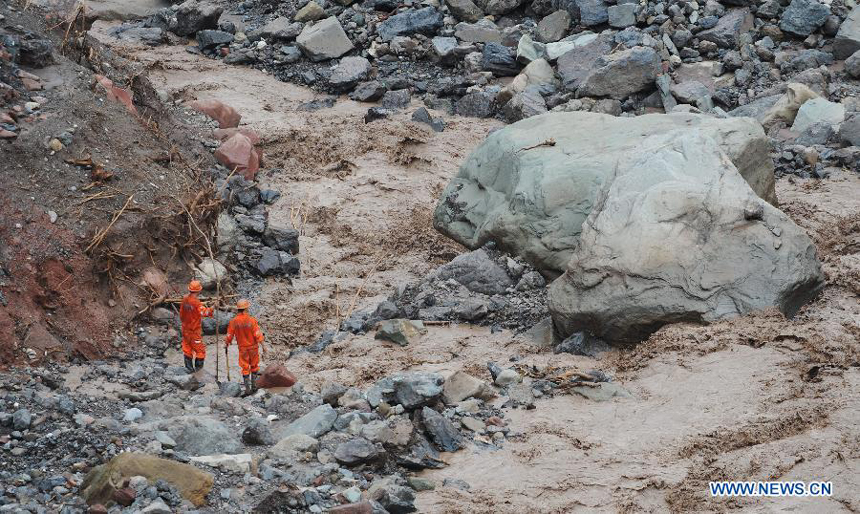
point(193, 16)
point(313, 424)
point(324, 40)
point(530, 186)
point(677, 235)
point(847, 40)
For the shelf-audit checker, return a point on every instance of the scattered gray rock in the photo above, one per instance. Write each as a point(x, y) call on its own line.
point(803, 17)
point(324, 40)
point(417, 21)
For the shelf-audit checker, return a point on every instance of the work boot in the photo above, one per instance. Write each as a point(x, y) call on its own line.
point(247, 379)
point(189, 364)
point(254, 382)
point(198, 364)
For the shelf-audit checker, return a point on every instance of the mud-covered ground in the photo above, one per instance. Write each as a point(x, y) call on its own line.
point(757, 398)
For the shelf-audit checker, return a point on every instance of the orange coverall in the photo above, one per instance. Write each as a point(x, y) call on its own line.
point(246, 331)
point(191, 313)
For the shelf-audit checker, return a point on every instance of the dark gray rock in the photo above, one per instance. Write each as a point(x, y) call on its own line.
point(815, 134)
point(479, 104)
point(271, 262)
point(464, 10)
point(395, 499)
point(729, 28)
point(368, 91)
point(357, 451)
point(592, 12)
point(413, 390)
point(377, 113)
point(525, 105)
point(209, 39)
point(419, 21)
point(331, 392)
point(151, 36)
point(623, 73)
point(441, 431)
point(582, 343)
point(35, 51)
point(500, 60)
point(803, 17)
point(422, 115)
point(575, 65)
point(279, 29)
point(21, 419)
point(553, 27)
point(622, 15)
point(257, 432)
point(193, 16)
point(847, 40)
point(477, 272)
point(444, 49)
point(849, 131)
point(396, 100)
point(280, 238)
point(349, 72)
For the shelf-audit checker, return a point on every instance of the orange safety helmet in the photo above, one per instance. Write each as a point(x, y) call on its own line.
point(243, 304)
point(195, 286)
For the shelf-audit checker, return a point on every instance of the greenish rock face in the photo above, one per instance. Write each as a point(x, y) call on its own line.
point(530, 186)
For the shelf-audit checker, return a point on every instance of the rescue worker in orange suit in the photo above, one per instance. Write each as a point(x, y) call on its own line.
point(244, 328)
point(191, 312)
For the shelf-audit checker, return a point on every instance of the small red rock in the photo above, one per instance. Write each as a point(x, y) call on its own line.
point(276, 375)
point(32, 85)
point(5, 134)
point(98, 508)
point(117, 94)
point(239, 153)
point(226, 116)
point(124, 496)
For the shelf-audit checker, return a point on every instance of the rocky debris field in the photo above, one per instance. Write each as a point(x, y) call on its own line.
point(668, 221)
point(141, 435)
point(514, 59)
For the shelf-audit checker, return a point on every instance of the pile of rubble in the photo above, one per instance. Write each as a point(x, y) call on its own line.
point(173, 441)
point(20, 100)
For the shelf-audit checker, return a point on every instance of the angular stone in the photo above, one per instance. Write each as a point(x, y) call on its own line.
point(442, 432)
point(553, 27)
point(575, 65)
point(499, 6)
point(279, 29)
point(324, 40)
point(482, 31)
point(622, 15)
point(400, 331)
point(100, 484)
point(236, 463)
point(623, 73)
point(729, 28)
point(357, 451)
point(313, 424)
point(413, 390)
point(200, 435)
point(349, 72)
point(281, 238)
point(209, 39)
point(368, 91)
point(592, 12)
point(479, 104)
point(526, 104)
point(239, 153)
point(847, 40)
point(464, 10)
point(803, 17)
point(395, 100)
point(461, 386)
point(290, 447)
point(310, 12)
point(193, 16)
point(416, 21)
point(500, 60)
point(477, 272)
point(818, 110)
